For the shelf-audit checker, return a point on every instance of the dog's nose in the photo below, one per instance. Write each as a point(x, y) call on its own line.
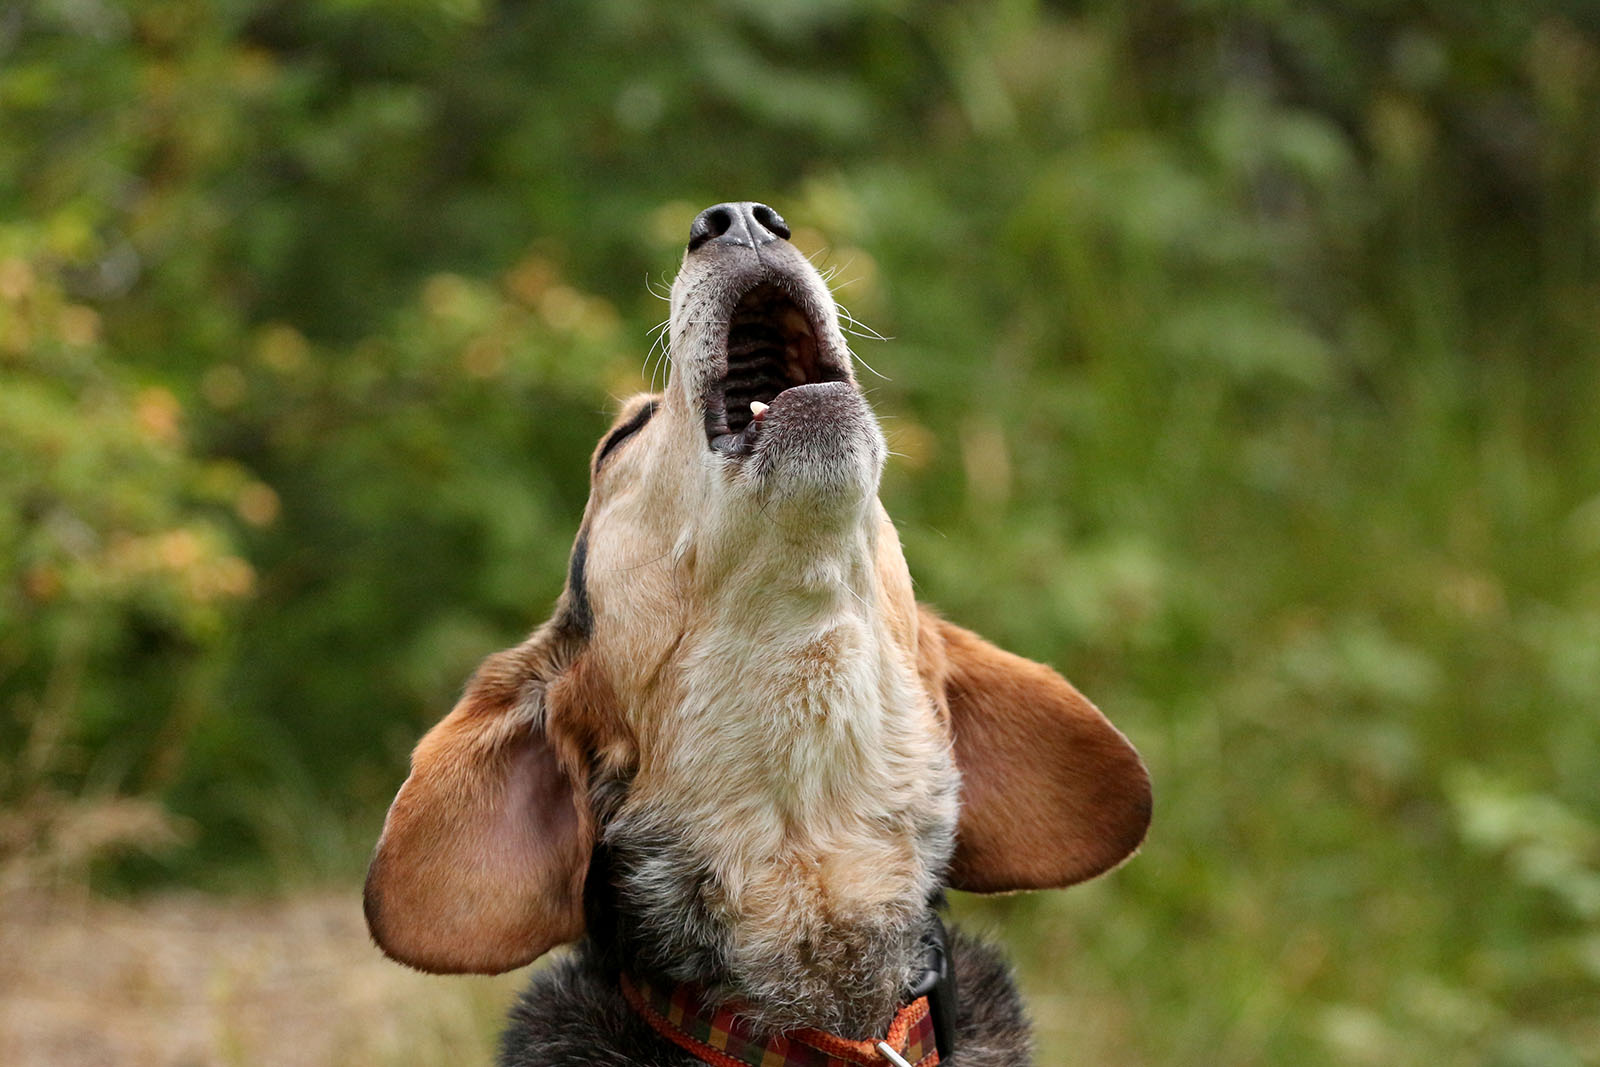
point(745, 223)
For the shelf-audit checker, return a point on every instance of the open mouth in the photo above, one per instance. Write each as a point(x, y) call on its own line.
point(772, 347)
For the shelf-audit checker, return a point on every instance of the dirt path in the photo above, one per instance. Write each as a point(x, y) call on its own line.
point(192, 980)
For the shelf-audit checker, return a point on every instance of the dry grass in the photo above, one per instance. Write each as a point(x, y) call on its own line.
point(191, 980)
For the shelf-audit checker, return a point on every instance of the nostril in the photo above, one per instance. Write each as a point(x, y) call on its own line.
point(745, 224)
point(710, 224)
point(771, 220)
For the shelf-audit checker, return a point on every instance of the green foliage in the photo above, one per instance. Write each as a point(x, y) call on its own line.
point(1242, 366)
point(119, 578)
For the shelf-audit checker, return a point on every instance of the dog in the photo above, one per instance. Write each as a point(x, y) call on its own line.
point(740, 763)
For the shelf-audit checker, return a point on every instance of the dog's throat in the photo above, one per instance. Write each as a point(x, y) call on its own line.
point(775, 935)
point(793, 832)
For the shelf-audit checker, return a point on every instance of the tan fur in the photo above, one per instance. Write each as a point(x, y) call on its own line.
point(760, 672)
point(480, 864)
point(1040, 767)
point(795, 779)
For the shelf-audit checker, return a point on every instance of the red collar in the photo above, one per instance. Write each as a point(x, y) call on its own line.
point(717, 1035)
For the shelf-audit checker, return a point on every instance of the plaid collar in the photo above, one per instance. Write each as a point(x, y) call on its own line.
point(717, 1035)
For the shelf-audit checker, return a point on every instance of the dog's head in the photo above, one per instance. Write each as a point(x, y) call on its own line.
point(733, 554)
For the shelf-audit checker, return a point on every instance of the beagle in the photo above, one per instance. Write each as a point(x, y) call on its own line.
point(740, 763)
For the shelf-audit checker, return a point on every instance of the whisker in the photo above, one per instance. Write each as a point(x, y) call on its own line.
point(833, 271)
point(843, 585)
point(661, 360)
point(857, 357)
point(635, 566)
point(650, 286)
point(651, 366)
point(660, 338)
point(856, 327)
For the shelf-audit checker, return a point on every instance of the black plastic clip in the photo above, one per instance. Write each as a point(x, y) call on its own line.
point(938, 984)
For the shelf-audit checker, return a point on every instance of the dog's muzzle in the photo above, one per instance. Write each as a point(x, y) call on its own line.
point(781, 356)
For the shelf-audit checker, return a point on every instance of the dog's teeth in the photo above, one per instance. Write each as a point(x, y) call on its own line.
point(757, 408)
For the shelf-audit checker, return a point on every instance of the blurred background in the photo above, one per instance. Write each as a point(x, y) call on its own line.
point(1243, 365)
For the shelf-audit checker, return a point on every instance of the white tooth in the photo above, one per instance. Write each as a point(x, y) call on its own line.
point(757, 408)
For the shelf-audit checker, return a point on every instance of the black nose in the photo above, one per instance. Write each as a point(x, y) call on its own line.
point(745, 223)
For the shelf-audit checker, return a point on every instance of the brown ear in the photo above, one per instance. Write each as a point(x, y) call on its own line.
point(481, 863)
point(1051, 792)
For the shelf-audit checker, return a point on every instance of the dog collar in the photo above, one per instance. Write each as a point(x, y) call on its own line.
point(717, 1035)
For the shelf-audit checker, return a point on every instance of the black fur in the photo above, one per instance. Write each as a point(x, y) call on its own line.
point(573, 1015)
point(579, 618)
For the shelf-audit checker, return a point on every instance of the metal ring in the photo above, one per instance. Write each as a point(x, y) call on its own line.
point(891, 1055)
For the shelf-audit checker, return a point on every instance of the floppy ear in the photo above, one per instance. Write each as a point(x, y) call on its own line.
point(1051, 792)
point(481, 863)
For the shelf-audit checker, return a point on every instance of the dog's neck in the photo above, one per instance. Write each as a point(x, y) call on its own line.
point(782, 839)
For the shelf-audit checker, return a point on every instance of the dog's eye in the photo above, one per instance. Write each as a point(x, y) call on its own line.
point(625, 431)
